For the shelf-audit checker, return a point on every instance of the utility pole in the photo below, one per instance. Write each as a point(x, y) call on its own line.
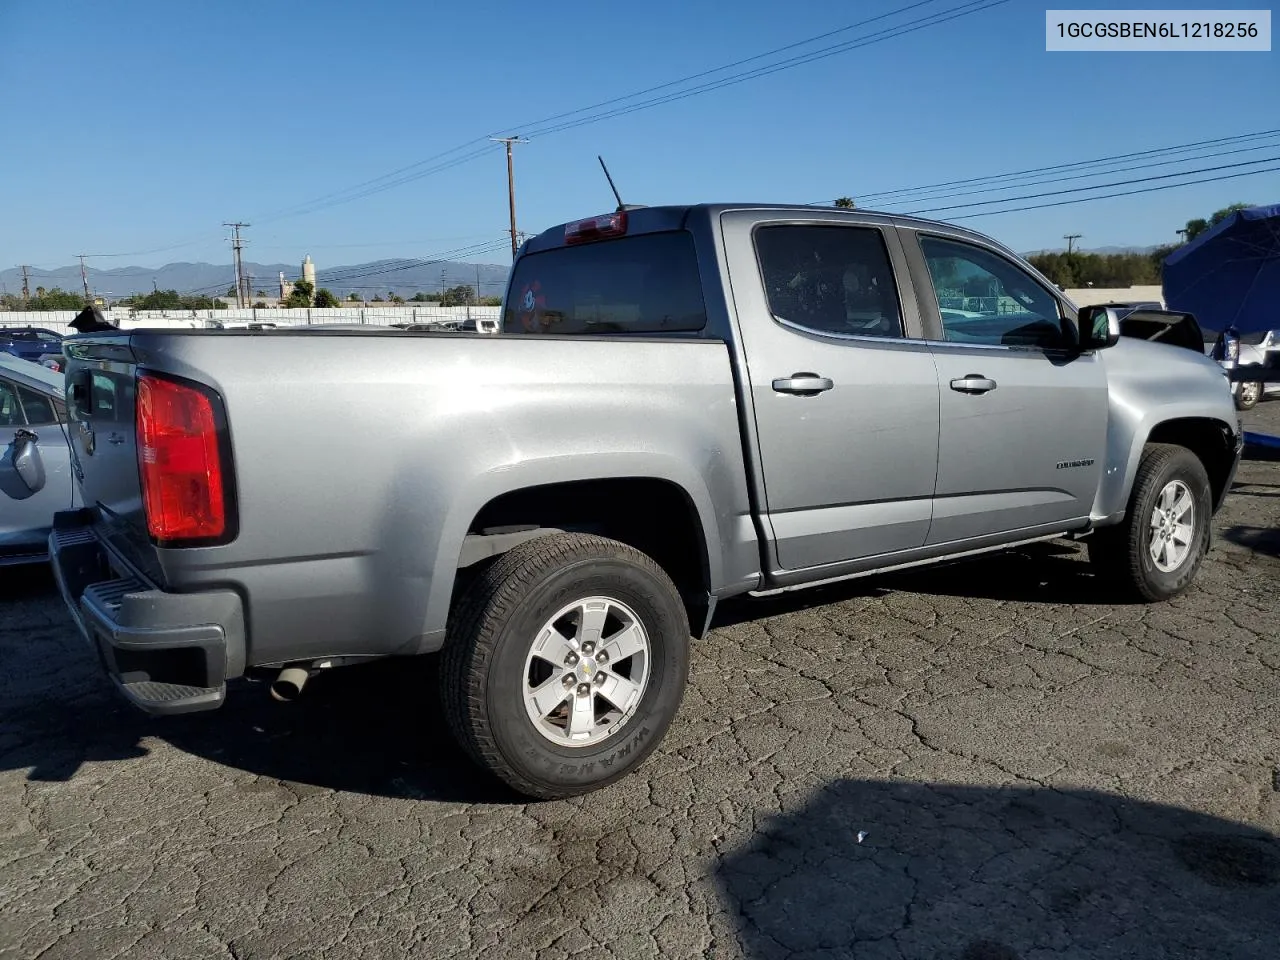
point(84, 278)
point(477, 285)
point(237, 245)
point(1071, 238)
point(26, 288)
point(511, 186)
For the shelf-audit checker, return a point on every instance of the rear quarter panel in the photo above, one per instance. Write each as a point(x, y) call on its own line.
point(361, 461)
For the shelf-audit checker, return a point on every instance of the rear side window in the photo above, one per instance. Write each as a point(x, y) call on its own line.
point(829, 279)
point(38, 408)
point(10, 412)
point(642, 284)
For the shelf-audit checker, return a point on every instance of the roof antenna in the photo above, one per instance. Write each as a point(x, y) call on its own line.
point(617, 196)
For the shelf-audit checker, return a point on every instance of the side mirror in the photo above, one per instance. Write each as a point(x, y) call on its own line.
point(28, 466)
point(1099, 327)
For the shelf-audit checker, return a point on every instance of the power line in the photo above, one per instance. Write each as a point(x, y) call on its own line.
point(437, 163)
point(1056, 178)
point(1055, 172)
point(1096, 186)
point(877, 195)
point(954, 13)
point(1124, 193)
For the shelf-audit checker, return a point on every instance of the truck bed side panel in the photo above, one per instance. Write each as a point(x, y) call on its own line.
point(361, 461)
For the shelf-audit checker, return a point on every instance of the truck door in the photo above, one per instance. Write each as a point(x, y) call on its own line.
point(845, 393)
point(1023, 415)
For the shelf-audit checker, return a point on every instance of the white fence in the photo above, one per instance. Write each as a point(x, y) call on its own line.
point(127, 319)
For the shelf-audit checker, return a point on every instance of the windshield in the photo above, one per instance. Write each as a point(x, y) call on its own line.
point(32, 336)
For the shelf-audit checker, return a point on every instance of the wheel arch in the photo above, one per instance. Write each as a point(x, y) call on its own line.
point(662, 512)
point(1213, 441)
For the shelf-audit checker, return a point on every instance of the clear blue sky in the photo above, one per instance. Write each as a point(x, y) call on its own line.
point(138, 124)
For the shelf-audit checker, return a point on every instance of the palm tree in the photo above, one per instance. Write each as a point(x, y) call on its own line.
point(845, 203)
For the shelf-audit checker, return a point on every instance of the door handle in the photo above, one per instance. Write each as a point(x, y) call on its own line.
point(973, 383)
point(803, 384)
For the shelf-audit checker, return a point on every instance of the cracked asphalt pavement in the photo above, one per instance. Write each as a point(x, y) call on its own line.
point(993, 760)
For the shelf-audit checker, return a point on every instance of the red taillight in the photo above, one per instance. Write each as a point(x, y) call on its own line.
point(596, 228)
point(178, 459)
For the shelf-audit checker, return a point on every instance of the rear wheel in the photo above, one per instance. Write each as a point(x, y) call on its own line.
point(566, 663)
point(1158, 548)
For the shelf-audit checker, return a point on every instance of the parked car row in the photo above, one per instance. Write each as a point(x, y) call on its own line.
point(35, 471)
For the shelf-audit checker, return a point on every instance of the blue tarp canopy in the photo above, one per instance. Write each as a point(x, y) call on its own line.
point(1229, 276)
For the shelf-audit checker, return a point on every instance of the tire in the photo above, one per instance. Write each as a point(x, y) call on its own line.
point(500, 647)
point(1248, 395)
point(1123, 554)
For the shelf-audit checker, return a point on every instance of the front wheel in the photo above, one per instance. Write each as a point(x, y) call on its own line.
point(566, 663)
point(1156, 551)
point(1248, 395)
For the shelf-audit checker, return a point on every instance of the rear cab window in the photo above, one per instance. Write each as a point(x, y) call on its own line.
point(642, 284)
point(104, 396)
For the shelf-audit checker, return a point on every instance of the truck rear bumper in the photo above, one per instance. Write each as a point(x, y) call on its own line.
point(166, 652)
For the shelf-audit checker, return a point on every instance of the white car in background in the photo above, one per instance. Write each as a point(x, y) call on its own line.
point(1261, 350)
point(35, 459)
point(1250, 350)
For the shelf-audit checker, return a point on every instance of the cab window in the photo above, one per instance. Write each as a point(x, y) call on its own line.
point(830, 279)
point(984, 298)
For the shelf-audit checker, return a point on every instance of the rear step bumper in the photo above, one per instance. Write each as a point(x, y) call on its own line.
point(166, 652)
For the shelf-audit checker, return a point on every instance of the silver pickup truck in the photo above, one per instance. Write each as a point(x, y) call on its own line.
point(683, 404)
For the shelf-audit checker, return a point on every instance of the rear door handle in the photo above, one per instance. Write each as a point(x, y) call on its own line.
point(803, 384)
point(973, 383)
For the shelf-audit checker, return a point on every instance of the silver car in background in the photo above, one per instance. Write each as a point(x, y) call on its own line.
point(35, 463)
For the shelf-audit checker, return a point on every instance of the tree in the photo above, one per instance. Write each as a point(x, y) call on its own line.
point(376, 299)
point(353, 297)
point(231, 291)
point(421, 297)
point(845, 203)
point(219, 304)
point(457, 296)
point(325, 299)
point(55, 299)
point(396, 298)
point(159, 300)
point(1200, 225)
point(260, 304)
point(301, 294)
point(490, 301)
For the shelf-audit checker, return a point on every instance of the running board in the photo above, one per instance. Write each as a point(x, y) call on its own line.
point(927, 561)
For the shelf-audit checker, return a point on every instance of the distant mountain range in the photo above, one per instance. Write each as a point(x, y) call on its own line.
point(404, 277)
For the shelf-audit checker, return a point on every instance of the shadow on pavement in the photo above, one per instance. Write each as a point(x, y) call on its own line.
point(373, 729)
point(1258, 539)
point(1000, 874)
point(1049, 572)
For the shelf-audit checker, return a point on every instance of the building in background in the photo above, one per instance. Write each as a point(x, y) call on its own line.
point(308, 273)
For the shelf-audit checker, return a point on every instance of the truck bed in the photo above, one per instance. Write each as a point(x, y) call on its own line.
point(363, 458)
